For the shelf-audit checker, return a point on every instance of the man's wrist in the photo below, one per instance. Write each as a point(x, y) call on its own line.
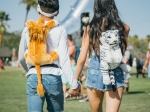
point(74, 84)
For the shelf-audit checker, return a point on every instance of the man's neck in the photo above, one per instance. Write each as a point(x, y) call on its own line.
point(47, 18)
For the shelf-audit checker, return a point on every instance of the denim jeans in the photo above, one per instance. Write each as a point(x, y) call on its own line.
point(95, 79)
point(53, 95)
point(148, 71)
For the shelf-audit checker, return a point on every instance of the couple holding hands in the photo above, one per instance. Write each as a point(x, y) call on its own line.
point(105, 18)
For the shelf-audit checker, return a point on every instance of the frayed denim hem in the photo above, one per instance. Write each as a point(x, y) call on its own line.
point(95, 88)
point(111, 88)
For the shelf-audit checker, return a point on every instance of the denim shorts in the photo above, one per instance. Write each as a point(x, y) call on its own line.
point(148, 71)
point(95, 79)
point(53, 95)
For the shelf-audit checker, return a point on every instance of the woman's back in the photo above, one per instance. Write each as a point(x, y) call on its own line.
point(105, 18)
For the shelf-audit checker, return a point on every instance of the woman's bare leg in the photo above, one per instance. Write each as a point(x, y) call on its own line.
point(82, 91)
point(95, 99)
point(113, 100)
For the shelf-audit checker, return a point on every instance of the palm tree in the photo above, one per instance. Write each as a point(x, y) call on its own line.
point(3, 17)
point(29, 3)
point(148, 38)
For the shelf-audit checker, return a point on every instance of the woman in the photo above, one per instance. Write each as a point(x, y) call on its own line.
point(105, 18)
point(147, 61)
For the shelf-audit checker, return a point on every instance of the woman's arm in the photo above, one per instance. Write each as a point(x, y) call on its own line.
point(83, 53)
point(126, 33)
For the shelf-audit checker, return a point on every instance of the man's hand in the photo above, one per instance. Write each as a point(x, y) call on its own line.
point(75, 92)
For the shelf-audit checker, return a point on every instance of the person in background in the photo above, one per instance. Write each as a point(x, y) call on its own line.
point(51, 74)
point(72, 55)
point(126, 75)
point(1, 65)
point(147, 62)
point(139, 65)
point(105, 18)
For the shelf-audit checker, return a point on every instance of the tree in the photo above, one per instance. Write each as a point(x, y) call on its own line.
point(148, 38)
point(29, 3)
point(11, 40)
point(140, 44)
point(3, 17)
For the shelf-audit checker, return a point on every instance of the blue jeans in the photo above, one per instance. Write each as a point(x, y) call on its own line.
point(95, 79)
point(148, 71)
point(53, 95)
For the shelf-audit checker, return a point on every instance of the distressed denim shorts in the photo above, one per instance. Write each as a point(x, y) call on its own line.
point(148, 71)
point(95, 79)
point(53, 95)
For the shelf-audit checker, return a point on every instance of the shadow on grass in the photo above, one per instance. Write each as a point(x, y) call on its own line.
point(136, 92)
point(72, 99)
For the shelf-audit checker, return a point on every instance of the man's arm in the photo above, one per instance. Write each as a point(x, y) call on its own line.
point(64, 59)
point(22, 49)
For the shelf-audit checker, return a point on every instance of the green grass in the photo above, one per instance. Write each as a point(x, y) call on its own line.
point(13, 95)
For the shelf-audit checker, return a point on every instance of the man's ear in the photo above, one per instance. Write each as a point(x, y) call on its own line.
point(57, 13)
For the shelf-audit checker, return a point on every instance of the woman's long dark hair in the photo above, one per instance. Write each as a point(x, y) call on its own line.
point(105, 18)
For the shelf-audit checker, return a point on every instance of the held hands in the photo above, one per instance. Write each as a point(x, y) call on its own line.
point(75, 92)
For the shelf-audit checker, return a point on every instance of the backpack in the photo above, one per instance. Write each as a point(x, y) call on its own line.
point(77, 53)
point(130, 60)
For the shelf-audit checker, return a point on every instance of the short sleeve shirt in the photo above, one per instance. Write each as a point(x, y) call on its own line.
point(127, 54)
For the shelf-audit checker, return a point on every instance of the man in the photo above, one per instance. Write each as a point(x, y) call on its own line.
point(72, 50)
point(139, 65)
point(51, 74)
point(126, 75)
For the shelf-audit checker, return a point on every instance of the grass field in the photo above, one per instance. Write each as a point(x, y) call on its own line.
point(13, 95)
